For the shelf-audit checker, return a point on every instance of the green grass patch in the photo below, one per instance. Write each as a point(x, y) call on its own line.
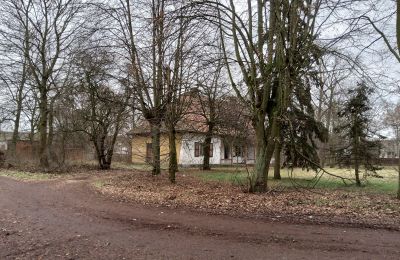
point(131, 166)
point(98, 184)
point(21, 175)
point(307, 179)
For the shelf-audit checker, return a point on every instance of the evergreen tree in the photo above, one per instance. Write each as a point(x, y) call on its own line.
point(358, 147)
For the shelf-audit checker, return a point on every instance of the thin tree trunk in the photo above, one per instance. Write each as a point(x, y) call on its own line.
point(62, 151)
point(398, 24)
point(44, 160)
point(398, 170)
point(155, 139)
point(398, 46)
point(277, 165)
point(206, 148)
point(173, 158)
point(398, 161)
point(356, 161)
point(357, 173)
point(51, 155)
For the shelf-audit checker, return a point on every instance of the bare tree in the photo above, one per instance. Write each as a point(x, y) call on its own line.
point(100, 111)
point(179, 75)
point(210, 93)
point(15, 36)
point(53, 27)
point(266, 39)
point(153, 42)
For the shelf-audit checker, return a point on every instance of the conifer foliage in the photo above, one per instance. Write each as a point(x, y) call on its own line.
point(359, 145)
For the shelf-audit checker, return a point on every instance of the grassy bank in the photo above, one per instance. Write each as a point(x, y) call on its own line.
point(307, 179)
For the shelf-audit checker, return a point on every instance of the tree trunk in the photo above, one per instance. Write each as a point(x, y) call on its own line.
point(398, 161)
point(398, 24)
point(258, 182)
point(277, 164)
point(51, 155)
point(155, 139)
point(206, 148)
point(398, 46)
point(104, 164)
point(356, 161)
point(173, 158)
point(15, 135)
point(44, 160)
point(32, 124)
point(398, 169)
point(357, 173)
point(62, 149)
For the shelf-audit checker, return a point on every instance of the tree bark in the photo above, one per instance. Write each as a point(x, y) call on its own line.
point(15, 135)
point(258, 182)
point(398, 161)
point(155, 139)
point(206, 148)
point(398, 170)
point(104, 163)
point(398, 24)
point(173, 158)
point(356, 161)
point(50, 138)
point(277, 164)
point(398, 47)
point(43, 155)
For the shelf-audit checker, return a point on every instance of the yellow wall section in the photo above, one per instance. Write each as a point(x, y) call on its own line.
point(139, 147)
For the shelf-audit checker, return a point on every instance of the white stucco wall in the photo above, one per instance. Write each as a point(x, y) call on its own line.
point(186, 154)
point(3, 146)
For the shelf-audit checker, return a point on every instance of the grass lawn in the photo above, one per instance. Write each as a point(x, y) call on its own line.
point(302, 178)
point(26, 176)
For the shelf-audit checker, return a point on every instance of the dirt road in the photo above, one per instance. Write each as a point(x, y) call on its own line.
point(67, 220)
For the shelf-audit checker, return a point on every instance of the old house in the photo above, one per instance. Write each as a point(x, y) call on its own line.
point(232, 142)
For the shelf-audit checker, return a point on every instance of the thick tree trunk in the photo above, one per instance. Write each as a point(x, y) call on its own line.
point(173, 158)
point(258, 182)
point(155, 139)
point(206, 149)
point(43, 156)
point(104, 163)
point(15, 135)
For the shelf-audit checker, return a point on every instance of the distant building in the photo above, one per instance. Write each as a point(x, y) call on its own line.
point(390, 149)
point(6, 138)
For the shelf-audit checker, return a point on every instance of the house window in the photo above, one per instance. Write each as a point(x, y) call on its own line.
point(149, 152)
point(238, 151)
point(199, 149)
point(227, 151)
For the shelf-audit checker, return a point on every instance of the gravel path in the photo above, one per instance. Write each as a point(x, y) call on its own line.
point(66, 219)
